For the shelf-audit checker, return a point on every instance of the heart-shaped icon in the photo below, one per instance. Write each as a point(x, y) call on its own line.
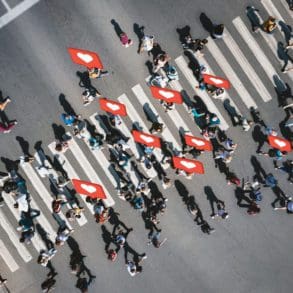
point(198, 142)
point(167, 95)
point(88, 188)
point(188, 165)
point(280, 143)
point(215, 80)
point(85, 57)
point(147, 139)
point(113, 107)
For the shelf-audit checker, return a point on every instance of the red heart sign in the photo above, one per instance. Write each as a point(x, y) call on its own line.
point(198, 143)
point(187, 165)
point(85, 58)
point(167, 95)
point(146, 139)
point(280, 143)
point(112, 107)
point(216, 81)
point(87, 188)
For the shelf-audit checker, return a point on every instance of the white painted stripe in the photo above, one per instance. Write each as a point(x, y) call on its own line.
point(136, 119)
point(203, 95)
point(7, 257)
point(271, 9)
point(69, 170)
point(255, 48)
point(7, 7)
point(89, 170)
point(104, 162)
point(17, 11)
point(53, 177)
point(23, 252)
point(36, 240)
point(143, 100)
point(248, 70)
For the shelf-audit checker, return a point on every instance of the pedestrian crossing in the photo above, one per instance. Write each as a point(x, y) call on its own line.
point(41, 175)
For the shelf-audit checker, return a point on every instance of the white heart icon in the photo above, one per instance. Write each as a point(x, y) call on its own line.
point(280, 143)
point(113, 107)
point(167, 95)
point(88, 188)
point(85, 57)
point(188, 165)
point(198, 142)
point(216, 81)
point(147, 139)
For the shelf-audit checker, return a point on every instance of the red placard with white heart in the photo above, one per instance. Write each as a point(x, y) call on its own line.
point(280, 143)
point(187, 165)
point(198, 143)
point(216, 81)
point(146, 139)
point(90, 189)
point(167, 95)
point(85, 58)
point(112, 107)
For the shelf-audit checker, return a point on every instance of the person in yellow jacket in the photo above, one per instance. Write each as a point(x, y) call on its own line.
point(269, 25)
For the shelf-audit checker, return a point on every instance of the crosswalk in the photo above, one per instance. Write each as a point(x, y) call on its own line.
point(84, 165)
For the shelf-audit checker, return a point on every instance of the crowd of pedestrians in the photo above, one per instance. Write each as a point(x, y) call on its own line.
point(145, 196)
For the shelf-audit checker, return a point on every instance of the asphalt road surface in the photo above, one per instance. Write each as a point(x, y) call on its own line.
point(245, 253)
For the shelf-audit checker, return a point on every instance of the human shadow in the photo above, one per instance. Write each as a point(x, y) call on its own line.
point(10, 164)
point(139, 31)
point(260, 173)
point(67, 108)
point(115, 220)
point(182, 191)
point(44, 236)
point(24, 145)
point(107, 238)
point(150, 67)
point(241, 197)
point(283, 55)
point(59, 131)
point(211, 197)
point(183, 32)
point(129, 250)
point(194, 65)
point(259, 137)
point(232, 112)
point(117, 27)
point(206, 23)
point(287, 30)
point(280, 196)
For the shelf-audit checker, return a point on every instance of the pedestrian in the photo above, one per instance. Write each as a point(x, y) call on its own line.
point(61, 146)
point(147, 44)
point(62, 235)
point(274, 153)
point(230, 145)
point(154, 239)
point(217, 31)
point(232, 178)
point(287, 168)
point(220, 211)
point(58, 203)
point(253, 17)
point(156, 127)
point(160, 61)
point(2, 281)
point(169, 106)
point(70, 120)
point(253, 209)
point(89, 95)
point(246, 124)
point(48, 284)
point(269, 25)
point(46, 256)
point(287, 57)
point(206, 228)
point(4, 103)
point(74, 213)
point(125, 41)
point(223, 155)
point(270, 181)
point(287, 205)
point(97, 73)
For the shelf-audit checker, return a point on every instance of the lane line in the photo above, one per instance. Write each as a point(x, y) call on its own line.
point(7, 7)
point(16, 11)
point(21, 249)
point(8, 258)
point(181, 63)
point(249, 72)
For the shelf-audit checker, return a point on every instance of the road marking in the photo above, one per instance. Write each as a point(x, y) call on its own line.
point(36, 240)
point(255, 48)
point(23, 252)
point(16, 11)
point(180, 61)
point(271, 9)
point(7, 257)
point(137, 120)
point(145, 101)
point(247, 69)
point(53, 177)
point(89, 170)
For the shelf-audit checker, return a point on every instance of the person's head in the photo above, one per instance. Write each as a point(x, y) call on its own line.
point(272, 19)
point(204, 41)
point(58, 242)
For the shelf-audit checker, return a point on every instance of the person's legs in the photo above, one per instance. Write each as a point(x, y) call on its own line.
point(6, 129)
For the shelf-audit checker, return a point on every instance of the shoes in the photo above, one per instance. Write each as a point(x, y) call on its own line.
point(144, 257)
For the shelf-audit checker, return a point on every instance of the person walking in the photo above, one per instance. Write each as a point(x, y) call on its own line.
point(253, 17)
point(97, 73)
point(89, 95)
point(269, 25)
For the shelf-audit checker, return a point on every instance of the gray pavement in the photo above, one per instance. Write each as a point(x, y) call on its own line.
point(245, 253)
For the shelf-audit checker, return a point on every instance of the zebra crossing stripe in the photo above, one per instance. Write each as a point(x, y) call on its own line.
point(69, 170)
point(53, 177)
point(248, 70)
point(286, 6)
point(21, 249)
point(271, 9)
point(145, 101)
point(132, 114)
point(36, 240)
point(8, 258)
point(203, 95)
point(89, 170)
point(255, 48)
